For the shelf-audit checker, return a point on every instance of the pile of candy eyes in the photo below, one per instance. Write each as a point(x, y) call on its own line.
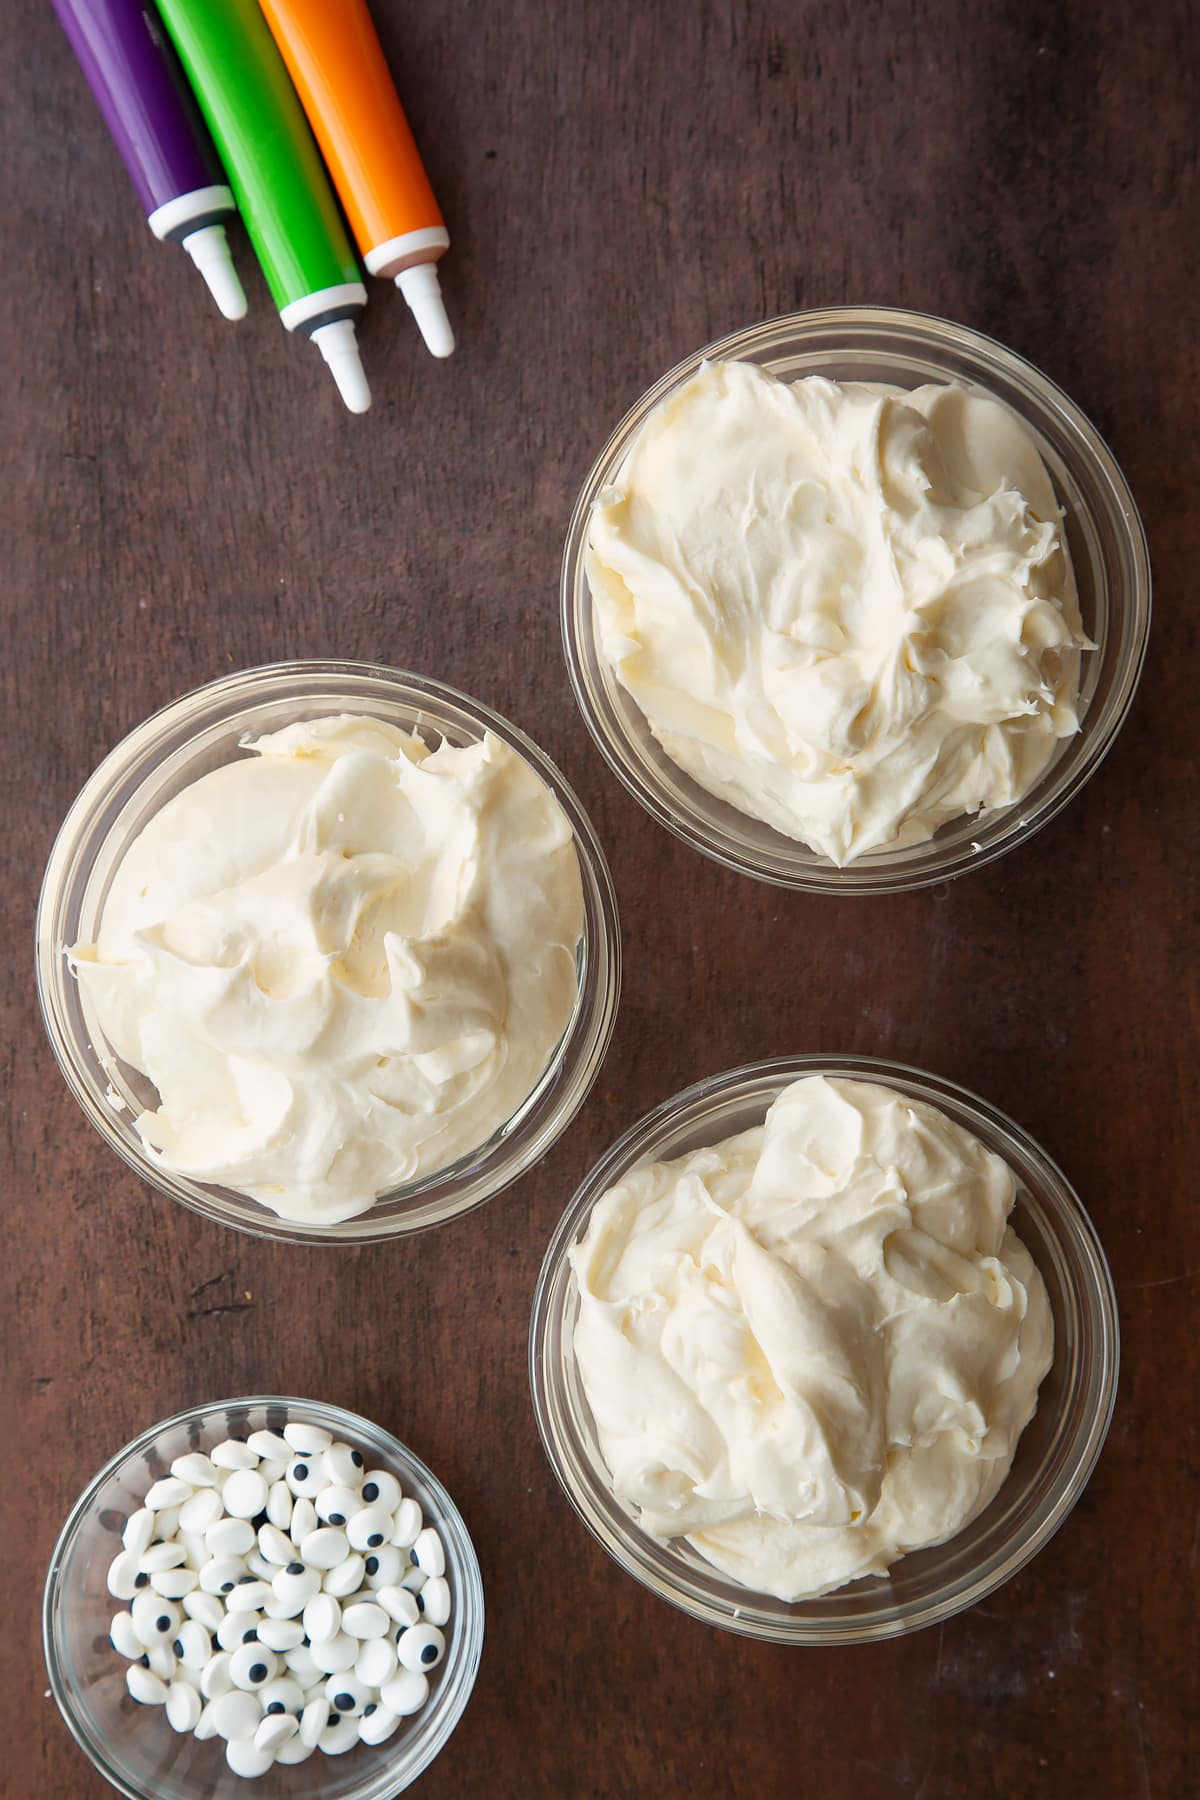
point(282, 1597)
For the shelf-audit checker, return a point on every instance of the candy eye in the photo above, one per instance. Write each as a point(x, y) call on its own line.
point(257, 1549)
point(245, 1494)
point(238, 1628)
point(123, 1574)
point(346, 1578)
point(123, 1637)
point(364, 1620)
point(279, 1505)
point(307, 1475)
point(145, 1687)
point(283, 1695)
point(250, 1667)
point(322, 1619)
point(233, 1454)
point(428, 1553)
point(194, 1646)
point(229, 1537)
point(325, 1548)
point(434, 1600)
point(406, 1527)
point(269, 1445)
point(370, 1528)
point(399, 1604)
point(421, 1648)
point(274, 1547)
point(338, 1503)
point(307, 1440)
point(155, 1623)
point(292, 1589)
point(340, 1466)
point(381, 1489)
point(347, 1695)
point(383, 1569)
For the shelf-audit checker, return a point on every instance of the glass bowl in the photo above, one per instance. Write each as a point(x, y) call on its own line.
point(185, 741)
point(1057, 1450)
point(1107, 543)
point(133, 1746)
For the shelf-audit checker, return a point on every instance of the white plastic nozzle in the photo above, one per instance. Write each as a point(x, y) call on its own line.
point(209, 250)
point(339, 346)
point(422, 290)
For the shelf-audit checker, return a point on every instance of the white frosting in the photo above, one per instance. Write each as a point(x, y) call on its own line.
point(343, 960)
point(847, 610)
point(813, 1347)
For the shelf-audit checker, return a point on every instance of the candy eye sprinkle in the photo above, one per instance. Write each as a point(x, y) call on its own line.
point(275, 1625)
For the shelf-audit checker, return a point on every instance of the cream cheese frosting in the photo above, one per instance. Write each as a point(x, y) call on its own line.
point(846, 609)
point(813, 1347)
point(344, 960)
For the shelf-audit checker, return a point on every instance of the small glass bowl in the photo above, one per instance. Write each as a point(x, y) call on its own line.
point(133, 1746)
point(1107, 544)
point(174, 748)
point(1058, 1448)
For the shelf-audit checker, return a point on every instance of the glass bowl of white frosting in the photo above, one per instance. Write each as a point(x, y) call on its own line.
point(824, 1350)
point(329, 952)
point(855, 600)
point(133, 1746)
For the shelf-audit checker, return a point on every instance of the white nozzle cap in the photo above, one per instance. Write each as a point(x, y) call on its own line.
point(422, 290)
point(209, 250)
point(339, 346)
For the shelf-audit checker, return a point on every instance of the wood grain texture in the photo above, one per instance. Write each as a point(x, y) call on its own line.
point(623, 182)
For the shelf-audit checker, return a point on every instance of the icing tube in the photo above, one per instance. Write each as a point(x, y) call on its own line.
point(338, 67)
point(150, 112)
point(275, 171)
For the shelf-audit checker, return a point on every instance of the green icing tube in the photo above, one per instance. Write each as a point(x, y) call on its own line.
point(276, 173)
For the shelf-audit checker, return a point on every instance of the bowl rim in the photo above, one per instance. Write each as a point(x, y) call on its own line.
point(443, 1194)
point(455, 1689)
point(933, 333)
point(633, 1549)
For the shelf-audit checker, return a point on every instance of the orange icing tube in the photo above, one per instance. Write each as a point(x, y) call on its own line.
point(336, 63)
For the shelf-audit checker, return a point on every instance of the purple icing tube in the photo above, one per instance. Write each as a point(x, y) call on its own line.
point(148, 107)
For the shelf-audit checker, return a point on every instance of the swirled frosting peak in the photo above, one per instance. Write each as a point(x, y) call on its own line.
point(814, 1346)
point(846, 609)
point(344, 960)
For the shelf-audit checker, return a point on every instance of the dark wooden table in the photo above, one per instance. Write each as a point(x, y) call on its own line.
point(183, 497)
